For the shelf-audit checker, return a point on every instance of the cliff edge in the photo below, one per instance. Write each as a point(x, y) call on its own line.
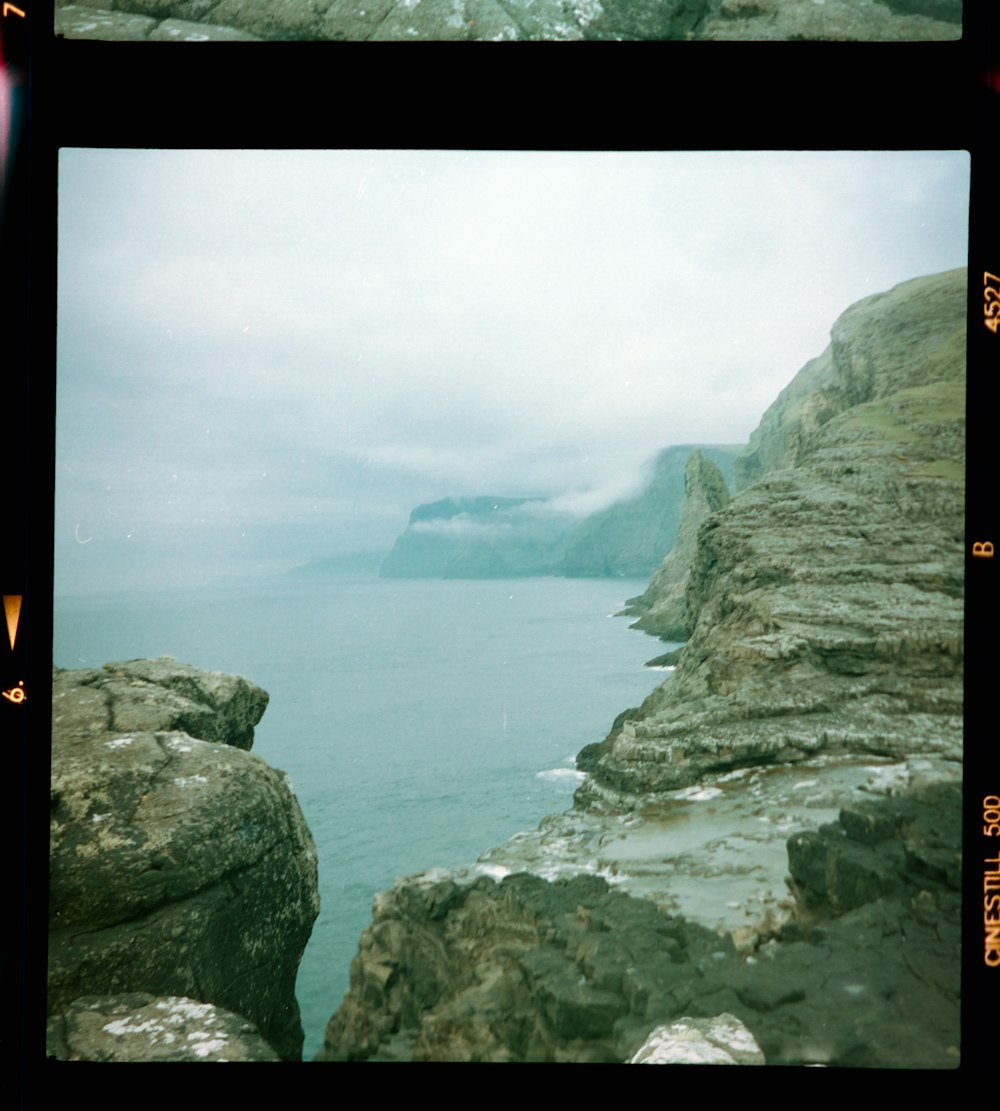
point(183, 881)
point(826, 600)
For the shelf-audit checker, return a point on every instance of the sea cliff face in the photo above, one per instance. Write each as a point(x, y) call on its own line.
point(811, 730)
point(479, 538)
point(826, 600)
point(501, 537)
point(632, 537)
point(662, 608)
point(183, 879)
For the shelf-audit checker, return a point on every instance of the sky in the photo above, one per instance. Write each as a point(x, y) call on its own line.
point(270, 357)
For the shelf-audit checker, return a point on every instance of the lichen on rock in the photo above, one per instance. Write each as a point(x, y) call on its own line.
point(180, 864)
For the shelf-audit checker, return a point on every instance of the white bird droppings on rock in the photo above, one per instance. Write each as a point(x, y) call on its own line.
point(723, 1040)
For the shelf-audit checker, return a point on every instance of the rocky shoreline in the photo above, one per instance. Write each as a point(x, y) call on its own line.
point(771, 843)
point(464, 968)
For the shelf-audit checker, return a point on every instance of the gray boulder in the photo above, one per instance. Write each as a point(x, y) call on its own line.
point(157, 694)
point(179, 865)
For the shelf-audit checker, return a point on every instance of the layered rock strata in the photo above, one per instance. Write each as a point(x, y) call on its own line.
point(827, 598)
point(824, 665)
point(180, 864)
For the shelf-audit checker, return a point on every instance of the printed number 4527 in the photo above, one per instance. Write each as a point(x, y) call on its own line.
point(991, 302)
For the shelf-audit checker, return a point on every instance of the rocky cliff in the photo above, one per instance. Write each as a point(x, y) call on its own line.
point(183, 879)
point(826, 600)
point(631, 537)
point(774, 836)
point(456, 967)
point(501, 537)
point(662, 608)
point(477, 538)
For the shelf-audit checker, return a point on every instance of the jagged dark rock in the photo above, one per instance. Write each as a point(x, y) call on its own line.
point(872, 848)
point(517, 970)
point(180, 864)
point(575, 970)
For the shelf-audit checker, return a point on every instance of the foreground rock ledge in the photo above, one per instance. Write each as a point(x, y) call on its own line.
point(456, 968)
point(181, 865)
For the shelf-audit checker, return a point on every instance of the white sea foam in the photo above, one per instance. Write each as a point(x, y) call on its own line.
point(562, 775)
point(494, 871)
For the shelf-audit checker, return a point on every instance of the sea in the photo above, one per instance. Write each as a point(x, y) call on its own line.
point(421, 721)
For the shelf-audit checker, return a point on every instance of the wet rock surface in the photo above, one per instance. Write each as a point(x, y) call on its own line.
point(465, 968)
point(717, 853)
point(507, 20)
point(180, 864)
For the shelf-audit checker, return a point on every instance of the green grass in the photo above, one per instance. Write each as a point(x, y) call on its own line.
point(893, 419)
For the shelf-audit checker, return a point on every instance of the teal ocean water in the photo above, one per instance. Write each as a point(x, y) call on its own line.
point(421, 721)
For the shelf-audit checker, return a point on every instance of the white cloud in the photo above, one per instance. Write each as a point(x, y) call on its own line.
point(419, 324)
